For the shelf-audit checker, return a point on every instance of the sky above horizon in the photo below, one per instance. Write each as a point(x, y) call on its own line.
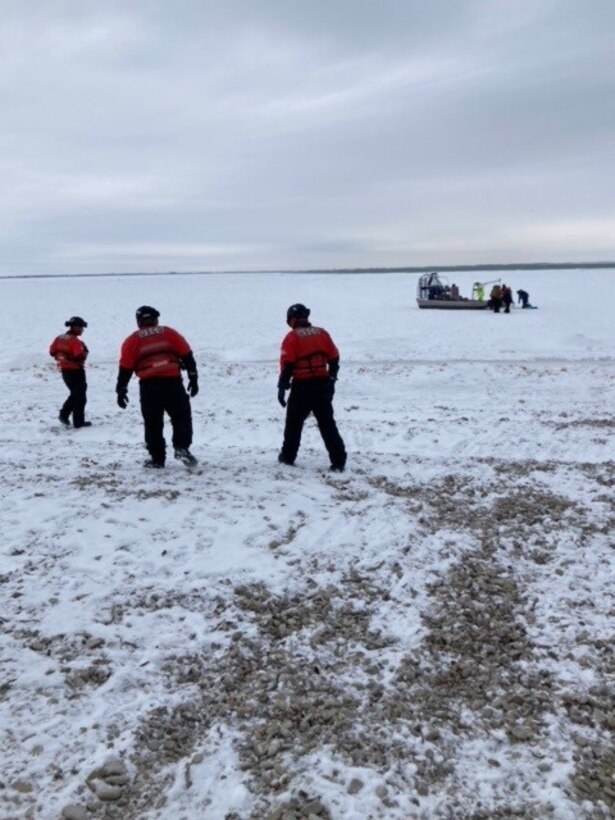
point(287, 134)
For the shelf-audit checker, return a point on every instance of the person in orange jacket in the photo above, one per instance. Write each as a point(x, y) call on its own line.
point(309, 364)
point(70, 353)
point(158, 354)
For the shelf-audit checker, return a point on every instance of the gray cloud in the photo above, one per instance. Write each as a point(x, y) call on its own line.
point(291, 134)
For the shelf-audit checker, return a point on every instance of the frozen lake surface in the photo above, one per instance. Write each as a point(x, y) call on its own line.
point(429, 634)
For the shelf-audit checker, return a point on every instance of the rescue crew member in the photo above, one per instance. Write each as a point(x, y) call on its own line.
point(507, 298)
point(495, 298)
point(70, 352)
point(478, 291)
point(309, 364)
point(157, 354)
point(524, 298)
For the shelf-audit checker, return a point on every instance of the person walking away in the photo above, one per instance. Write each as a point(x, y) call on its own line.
point(157, 354)
point(523, 298)
point(309, 365)
point(495, 298)
point(507, 298)
point(70, 353)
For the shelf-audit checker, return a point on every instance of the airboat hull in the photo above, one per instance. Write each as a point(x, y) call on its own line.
point(450, 304)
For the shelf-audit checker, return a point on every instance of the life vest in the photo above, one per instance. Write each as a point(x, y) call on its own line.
point(69, 351)
point(308, 350)
point(154, 352)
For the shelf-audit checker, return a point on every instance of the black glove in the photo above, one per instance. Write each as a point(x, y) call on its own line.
point(284, 384)
point(122, 397)
point(193, 384)
point(331, 388)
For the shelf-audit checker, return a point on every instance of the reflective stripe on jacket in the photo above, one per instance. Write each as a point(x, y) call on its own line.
point(154, 352)
point(69, 351)
point(308, 351)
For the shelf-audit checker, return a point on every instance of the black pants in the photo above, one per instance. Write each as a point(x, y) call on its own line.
point(507, 307)
point(312, 396)
point(496, 304)
point(157, 397)
point(76, 401)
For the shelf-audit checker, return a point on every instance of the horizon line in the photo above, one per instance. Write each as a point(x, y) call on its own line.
point(406, 269)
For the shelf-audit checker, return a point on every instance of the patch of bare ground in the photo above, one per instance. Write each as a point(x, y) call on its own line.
point(603, 474)
point(307, 671)
point(300, 683)
point(480, 656)
point(116, 485)
point(493, 508)
point(600, 424)
point(459, 502)
point(80, 658)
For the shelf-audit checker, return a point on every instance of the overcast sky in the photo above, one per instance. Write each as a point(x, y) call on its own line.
point(287, 134)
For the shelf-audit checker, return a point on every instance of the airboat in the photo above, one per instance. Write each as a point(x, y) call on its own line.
point(433, 291)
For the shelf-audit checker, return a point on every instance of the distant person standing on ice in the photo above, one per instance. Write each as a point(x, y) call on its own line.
point(495, 298)
point(309, 363)
point(507, 298)
point(157, 354)
point(478, 291)
point(70, 354)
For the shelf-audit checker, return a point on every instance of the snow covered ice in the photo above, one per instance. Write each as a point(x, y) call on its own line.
point(429, 634)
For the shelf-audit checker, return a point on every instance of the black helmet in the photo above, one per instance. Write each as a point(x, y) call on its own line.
point(146, 312)
point(297, 311)
point(75, 321)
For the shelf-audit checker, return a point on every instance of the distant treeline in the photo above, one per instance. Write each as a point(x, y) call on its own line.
point(452, 268)
point(411, 269)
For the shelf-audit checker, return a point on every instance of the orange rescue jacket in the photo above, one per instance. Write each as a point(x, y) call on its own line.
point(308, 351)
point(154, 352)
point(69, 351)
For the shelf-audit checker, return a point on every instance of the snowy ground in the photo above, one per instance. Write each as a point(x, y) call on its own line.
point(428, 635)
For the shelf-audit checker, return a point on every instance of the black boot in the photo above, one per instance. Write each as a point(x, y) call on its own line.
point(184, 455)
point(153, 465)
